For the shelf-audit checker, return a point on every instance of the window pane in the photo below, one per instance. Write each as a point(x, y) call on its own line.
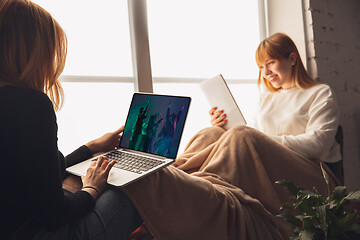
point(91, 110)
point(203, 38)
point(245, 94)
point(98, 35)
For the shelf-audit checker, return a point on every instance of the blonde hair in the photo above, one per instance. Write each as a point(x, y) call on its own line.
point(279, 46)
point(33, 49)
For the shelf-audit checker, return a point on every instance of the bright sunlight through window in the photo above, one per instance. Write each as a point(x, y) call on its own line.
point(202, 38)
point(189, 40)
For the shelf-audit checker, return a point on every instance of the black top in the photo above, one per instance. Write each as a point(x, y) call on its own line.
point(32, 168)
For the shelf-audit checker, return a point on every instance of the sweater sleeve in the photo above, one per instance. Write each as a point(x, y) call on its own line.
point(320, 129)
point(49, 205)
point(79, 155)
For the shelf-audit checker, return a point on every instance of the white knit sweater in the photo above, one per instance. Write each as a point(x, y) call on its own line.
point(305, 120)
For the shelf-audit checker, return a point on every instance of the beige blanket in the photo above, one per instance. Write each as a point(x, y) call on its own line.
point(230, 192)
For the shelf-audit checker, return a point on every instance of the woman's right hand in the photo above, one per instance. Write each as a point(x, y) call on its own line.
point(217, 117)
point(97, 175)
point(107, 142)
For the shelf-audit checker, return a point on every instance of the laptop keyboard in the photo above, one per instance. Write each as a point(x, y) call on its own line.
point(132, 162)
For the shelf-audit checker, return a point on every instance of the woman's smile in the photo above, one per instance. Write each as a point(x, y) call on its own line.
point(272, 78)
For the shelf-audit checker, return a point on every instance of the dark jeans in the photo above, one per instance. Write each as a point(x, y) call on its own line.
point(114, 217)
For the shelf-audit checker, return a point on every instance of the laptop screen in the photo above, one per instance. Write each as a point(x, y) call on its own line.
point(155, 124)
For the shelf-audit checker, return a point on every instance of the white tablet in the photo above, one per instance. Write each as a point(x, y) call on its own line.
point(219, 95)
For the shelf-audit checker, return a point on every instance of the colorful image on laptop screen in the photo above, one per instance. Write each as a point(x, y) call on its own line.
point(155, 124)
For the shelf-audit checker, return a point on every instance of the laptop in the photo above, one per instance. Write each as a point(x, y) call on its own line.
point(150, 140)
point(219, 95)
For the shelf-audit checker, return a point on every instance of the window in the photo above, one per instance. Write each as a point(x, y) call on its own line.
point(189, 41)
point(194, 40)
point(202, 38)
point(97, 78)
point(98, 36)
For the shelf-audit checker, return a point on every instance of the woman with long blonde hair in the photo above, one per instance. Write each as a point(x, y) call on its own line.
point(33, 203)
point(296, 111)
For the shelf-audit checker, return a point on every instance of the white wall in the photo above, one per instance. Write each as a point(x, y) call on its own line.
point(286, 16)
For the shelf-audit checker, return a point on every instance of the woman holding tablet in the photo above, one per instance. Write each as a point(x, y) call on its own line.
point(228, 178)
point(296, 111)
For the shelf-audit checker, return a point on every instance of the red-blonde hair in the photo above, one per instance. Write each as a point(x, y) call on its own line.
point(33, 49)
point(279, 46)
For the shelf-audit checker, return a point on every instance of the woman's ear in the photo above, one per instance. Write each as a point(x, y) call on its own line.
point(293, 57)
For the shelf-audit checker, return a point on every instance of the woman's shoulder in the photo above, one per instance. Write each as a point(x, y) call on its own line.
point(25, 100)
point(321, 89)
point(24, 95)
point(321, 94)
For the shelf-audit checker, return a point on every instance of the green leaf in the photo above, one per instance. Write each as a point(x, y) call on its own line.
point(333, 204)
point(291, 219)
point(305, 192)
point(287, 207)
point(340, 208)
point(321, 217)
point(305, 207)
point(306, 235)
point(334, 229)
point(311, 198)
point(345, 222)
point(295, 236)
point(339, 193)
point(316, 191)
point(353, 195)
point(290, 186)
point(312, 224)
point(322, 213)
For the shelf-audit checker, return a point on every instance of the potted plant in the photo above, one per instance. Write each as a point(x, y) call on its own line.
point(321, 217)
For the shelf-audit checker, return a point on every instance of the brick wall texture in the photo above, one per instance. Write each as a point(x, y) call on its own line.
point(332, 32)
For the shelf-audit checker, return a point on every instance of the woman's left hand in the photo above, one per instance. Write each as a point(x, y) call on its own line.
point(217, 118)
point(107, 142)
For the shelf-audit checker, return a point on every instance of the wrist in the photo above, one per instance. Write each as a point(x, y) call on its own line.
point(94, 192)
point(92, 147)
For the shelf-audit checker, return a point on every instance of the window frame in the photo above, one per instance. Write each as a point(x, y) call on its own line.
point(142, 78)
point(139, 39)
